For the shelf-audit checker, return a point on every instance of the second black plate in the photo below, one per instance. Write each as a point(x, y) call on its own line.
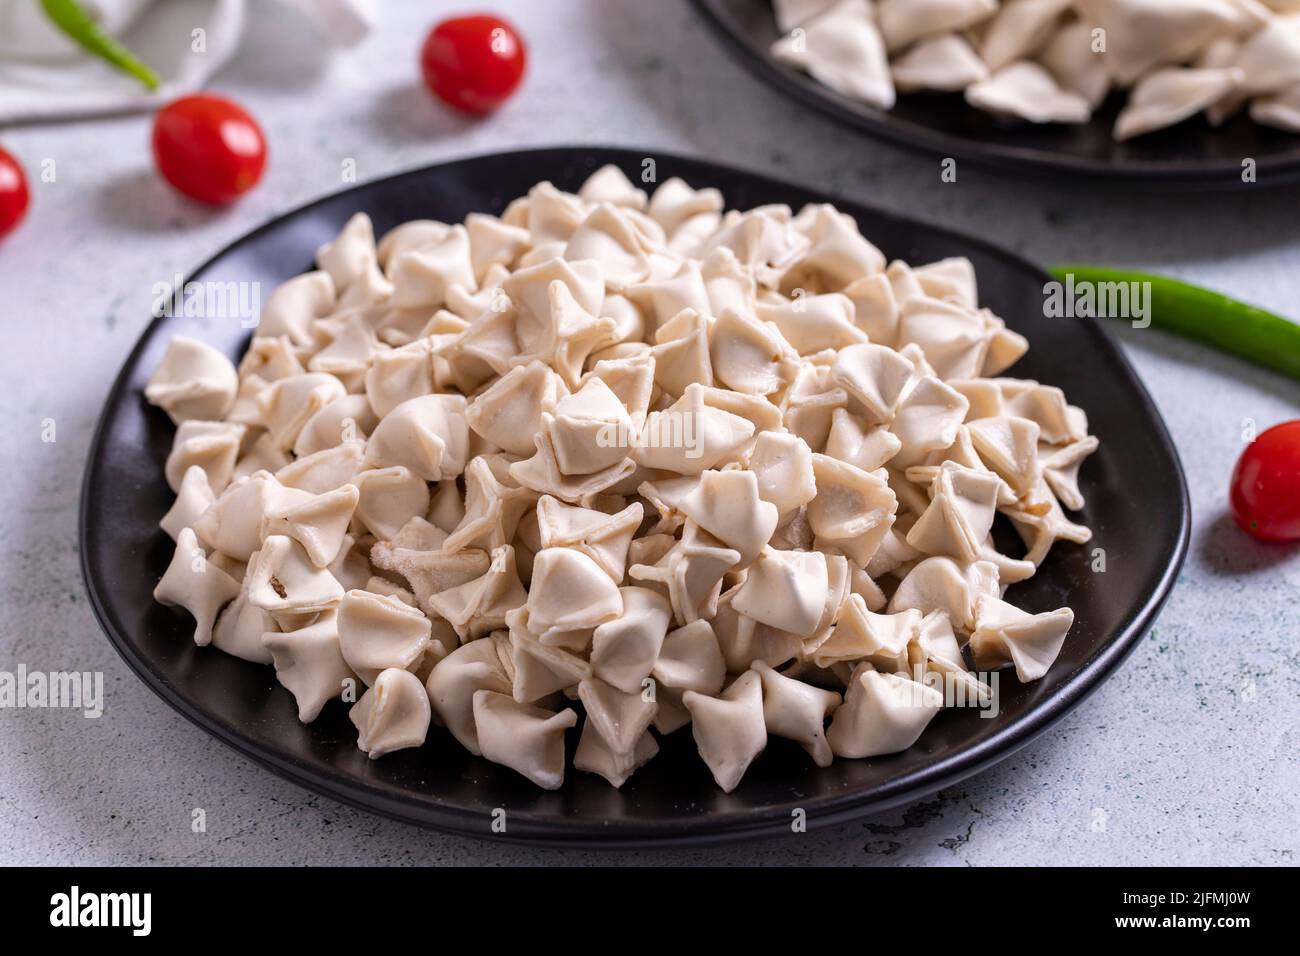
point(1192, 155)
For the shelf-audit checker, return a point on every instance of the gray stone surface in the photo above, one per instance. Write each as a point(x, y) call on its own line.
point(1188, 755)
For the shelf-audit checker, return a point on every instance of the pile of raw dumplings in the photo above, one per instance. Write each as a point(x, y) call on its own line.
point(1054, 61)
point(732, 470)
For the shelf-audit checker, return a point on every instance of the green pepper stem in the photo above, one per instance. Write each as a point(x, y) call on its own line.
point(71, 18)
point(1244, 330)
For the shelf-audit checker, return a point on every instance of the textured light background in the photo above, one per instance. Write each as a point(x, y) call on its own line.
point(1190, 751)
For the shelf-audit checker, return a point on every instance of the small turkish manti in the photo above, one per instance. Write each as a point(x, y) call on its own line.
point(617, 464)
point(1055, 61)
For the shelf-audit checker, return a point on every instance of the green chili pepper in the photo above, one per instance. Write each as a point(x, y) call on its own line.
point(70, 17)
point(1210, 317)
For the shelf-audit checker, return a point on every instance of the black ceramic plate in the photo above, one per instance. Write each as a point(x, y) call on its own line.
point(1137, 506)
point(1192, 155)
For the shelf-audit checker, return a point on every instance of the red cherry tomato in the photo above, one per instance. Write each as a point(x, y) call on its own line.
point(473, 63)
point(1266, 485)
point(208, 147)
point(14, 197)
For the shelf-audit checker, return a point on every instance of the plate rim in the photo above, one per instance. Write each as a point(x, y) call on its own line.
point(541, 829)
point(1272, 172)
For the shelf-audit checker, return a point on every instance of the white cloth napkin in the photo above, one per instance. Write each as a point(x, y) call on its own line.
point(44, 76)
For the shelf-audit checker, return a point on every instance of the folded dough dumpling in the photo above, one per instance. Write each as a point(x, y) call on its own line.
point(319, 524)
point(927, 420)
point(1142, 34)
point(347, 256)
point(691, 436)
point(1270, 58)
point(287, 405)
point(570, 591)
point(541, 669)
point(843, 49)
point(786, 589)
point(542, 473)
point(479, 665)
point(1073, 62)
point(728, 506)
point(782, 466)
point(953, 338)
point(690, 659)
point(838, 255)
point(1006, 634)
point(902, 22)
point(853, 442)
point(793, 13)
point(281, 579)
point(212, 446)
point(608, 237)
point(1026, 91)
point(392, 714)
point(940, 584)
point(590, 430)
point(494, 504)
point(193, 498)
point(349, 418)
point(233, 524)
point(730, 729)
point(602, 537)
point(479, 607)
point(1281, 110)
point(621, 719)
point(524, 738)
point(624, 651)
point(1008, 445)
point(595, 756)
point(797, 711)
point(946, 63)
point(346, 346)
point(239, 628)
point(310, 664)
point(749, 355)
point(875, 378)
point(881, 714)
point(530, 289)
point(691, 571)
point(196, 584)
point(398, 375)
point(813, 323)
point(1019, 29)
point(427, 435)
point(853, 508)
point(387, 498)
point(1167, 97)
point(509, 412)
point(407, 237)
point(610, 185)
point(193, 381)
point(423, 277)
point(963, 504)
point(294, 305)
point(675, 204)
point(378, 633)
point(863, 635)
